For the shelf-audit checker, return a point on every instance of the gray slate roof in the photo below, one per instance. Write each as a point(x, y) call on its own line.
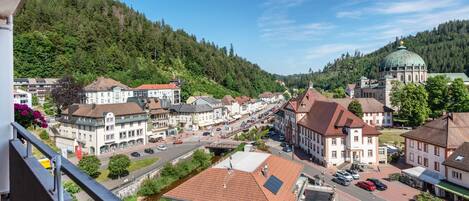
point(189, 108)
point(459, 159)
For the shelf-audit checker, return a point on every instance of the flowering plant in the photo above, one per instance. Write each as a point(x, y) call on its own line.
point(27, 117)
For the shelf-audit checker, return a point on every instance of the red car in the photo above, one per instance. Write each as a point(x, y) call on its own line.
point(367, 185)
point(178, 141)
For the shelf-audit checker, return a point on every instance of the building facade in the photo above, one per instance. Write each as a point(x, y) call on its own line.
point(191, 117)
point(430, 146)
point(333, 135)
point(40, 87)
point(456, 185)
point(220, 113)
point(102, 128)
point(401, 65)
point(158, 111)
point(231, 105)
point(374, 112)
point(169, 91)
point(106, 91)
point(22, 97)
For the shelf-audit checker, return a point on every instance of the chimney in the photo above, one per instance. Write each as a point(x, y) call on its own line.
point(310, 85)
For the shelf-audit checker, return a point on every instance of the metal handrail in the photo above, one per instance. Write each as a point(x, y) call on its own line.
point(88, 184)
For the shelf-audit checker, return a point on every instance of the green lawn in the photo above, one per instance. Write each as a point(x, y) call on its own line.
point(134, 166)
point(391, 136)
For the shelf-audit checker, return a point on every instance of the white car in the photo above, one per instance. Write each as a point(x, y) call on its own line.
point(344, 174)
point(354, 174)
point(162, 147)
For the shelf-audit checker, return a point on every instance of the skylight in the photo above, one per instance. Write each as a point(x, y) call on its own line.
point(273, 184)
point(459, 158)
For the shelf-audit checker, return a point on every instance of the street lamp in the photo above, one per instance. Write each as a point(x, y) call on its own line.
point(7, 10)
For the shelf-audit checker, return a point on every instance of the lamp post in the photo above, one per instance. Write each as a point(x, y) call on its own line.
point(7, 10)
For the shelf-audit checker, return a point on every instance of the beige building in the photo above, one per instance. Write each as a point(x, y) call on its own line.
point(457, 175)
point(102, 128)
point(106, 91)
point(374, 112)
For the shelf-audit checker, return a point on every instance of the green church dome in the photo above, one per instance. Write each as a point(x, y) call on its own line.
point(401, 58)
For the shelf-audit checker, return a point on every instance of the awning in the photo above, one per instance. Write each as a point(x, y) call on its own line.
point(424, 174)
point(453, 188)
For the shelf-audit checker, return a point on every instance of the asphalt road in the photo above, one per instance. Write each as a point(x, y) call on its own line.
point(352, 190)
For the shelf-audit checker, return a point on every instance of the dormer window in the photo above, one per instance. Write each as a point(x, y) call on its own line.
point(459, 158)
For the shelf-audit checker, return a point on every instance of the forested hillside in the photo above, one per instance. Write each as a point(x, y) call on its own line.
point(104, 37)
point(444, 49)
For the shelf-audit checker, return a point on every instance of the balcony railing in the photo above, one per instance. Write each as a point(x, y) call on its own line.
point(30, 181)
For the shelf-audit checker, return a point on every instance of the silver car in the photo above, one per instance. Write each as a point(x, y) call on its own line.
point(344, 174)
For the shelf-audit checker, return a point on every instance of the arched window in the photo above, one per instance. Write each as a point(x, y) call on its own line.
point(402, 78)
point(409, 78)
point(416, 78)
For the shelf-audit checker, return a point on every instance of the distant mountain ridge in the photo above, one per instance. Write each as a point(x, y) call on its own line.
point(107, 38)
point(444, 49)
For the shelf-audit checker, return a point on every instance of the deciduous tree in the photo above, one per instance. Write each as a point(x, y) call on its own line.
point(437, 88)
point(458, 99)
point(356, 108)
point(118, 165)
point(412, 101)
point(90, 165)
point(67, 92)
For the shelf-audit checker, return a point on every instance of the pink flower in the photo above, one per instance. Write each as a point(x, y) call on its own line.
point(24, 113)
point(36, 114)
point(44, 125)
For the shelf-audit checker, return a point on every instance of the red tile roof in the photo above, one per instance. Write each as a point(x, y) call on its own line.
point(328, 118)
point(242, 99)
point(219, 184)
point(303, 102)
point(157, 86)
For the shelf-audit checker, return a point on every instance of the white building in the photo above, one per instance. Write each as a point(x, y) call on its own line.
point(431, 144)
point(456, 185)
point(22, 97)
point(39, 87)
point(102, 128)
point(106, 91)
point(231, 105)
point(191, 117)
point(220, 113)
point(375, 113)
point(333, 135)
point(161, 91)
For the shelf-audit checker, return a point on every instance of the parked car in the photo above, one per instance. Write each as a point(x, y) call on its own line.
point(162, 147)
point(354, 174)
point(367, 185)
point(287, 149)
point(283, 144)
point(218, 129)
point(344, 174)
point(149, 151)
point(135, 154)
point(178, 141)
point(206, 133)
point(379, 185)
point(341, 180)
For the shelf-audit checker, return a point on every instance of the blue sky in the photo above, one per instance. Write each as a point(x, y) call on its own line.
point(291, 36)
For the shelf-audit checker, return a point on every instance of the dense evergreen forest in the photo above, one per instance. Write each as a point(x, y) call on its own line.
point(104, 37)
point(444, 49)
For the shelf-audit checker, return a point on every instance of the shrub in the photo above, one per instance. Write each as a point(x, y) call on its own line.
point(71, 188)
point(90, 165)
point(394, 176)
point(44, 135)
point(118, 165)
point(426, 196)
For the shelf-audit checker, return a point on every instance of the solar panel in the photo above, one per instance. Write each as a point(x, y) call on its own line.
point(273, 184)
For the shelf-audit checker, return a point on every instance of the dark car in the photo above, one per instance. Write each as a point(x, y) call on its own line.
point(283, 144)
point(206, 133)
point(341, 180)
point(281, 138)
point(367, 185)
point(287, 149)
point(149, 151)
point(135, 154)
point(379, 185)
point(218, 129)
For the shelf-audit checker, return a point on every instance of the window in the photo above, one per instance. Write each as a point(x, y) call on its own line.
point(456, 175)
point(437, 166)
point(436, 150)
point(91, 139)
point(419, 160)
point(411, 143)
point(342, 141)
point(334, 142)
point(342, 154)
point(355, 138)
point(411, 157)
point(425, 147)
point(334, 154)
point(370, 140)
point(425, 162)
point(370, 153)
point(419, 145)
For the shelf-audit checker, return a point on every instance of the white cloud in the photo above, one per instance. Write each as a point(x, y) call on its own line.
point(402, 7)
point(275, 24)
point(349, 14)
